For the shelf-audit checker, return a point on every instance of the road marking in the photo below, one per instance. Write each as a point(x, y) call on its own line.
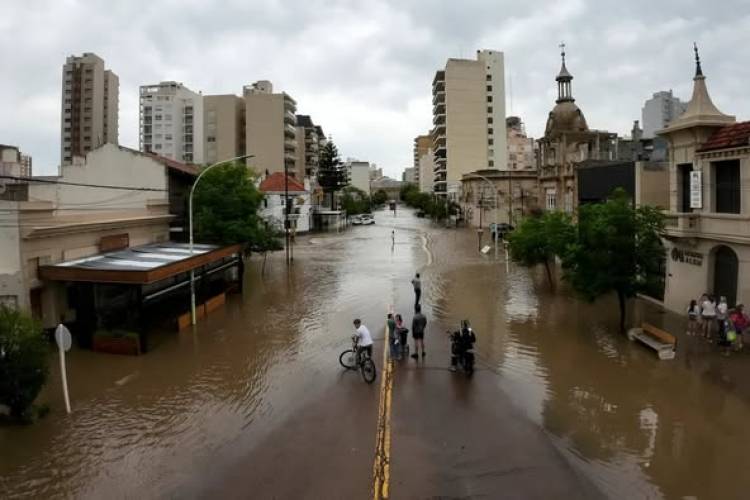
point(381, 469)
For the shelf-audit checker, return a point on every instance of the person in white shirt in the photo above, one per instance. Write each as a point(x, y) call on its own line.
point(365, 339)
point(708, 315)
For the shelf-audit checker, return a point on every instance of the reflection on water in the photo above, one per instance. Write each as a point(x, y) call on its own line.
point(636, 426)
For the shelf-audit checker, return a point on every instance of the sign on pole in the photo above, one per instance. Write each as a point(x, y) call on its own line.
point(696, 189)
point(64, 341)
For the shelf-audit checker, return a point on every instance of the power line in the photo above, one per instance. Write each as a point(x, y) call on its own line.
point(66, 183)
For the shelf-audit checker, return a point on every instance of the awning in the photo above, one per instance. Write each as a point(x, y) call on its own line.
point(138, 265)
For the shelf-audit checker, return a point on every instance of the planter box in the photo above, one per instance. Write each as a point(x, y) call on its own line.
point(117, 344)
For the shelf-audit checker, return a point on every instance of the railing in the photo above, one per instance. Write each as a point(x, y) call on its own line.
point(708, 224)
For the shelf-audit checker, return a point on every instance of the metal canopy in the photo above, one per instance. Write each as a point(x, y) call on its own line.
point(137, 265)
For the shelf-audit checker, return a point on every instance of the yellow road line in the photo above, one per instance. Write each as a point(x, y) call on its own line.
point(381, 469)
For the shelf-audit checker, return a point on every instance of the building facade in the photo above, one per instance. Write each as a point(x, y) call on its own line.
point(422, 144)
point(659, 111)
point(426, 174)
point(90, 106)
point(301, 209)
point(521, 149)
point(468, 98)
point(171, 122)
point(270, 128)
point(223, 127)
point(308, 148)
point(409, 175)
point(708, 227)
point(502, 196)
point(359, 174)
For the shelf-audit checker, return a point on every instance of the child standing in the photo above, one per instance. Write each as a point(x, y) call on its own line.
point(693, 312)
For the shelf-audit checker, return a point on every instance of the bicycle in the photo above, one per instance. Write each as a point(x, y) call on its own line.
point(354, 358)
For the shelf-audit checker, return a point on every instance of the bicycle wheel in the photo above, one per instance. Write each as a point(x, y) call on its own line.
point(368, 370)
point(348, 359)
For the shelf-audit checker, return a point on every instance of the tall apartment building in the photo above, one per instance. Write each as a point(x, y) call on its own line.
point(659, 111)
point(469, 118)
point(308, 148)
point(90, 106)
point(422, 144)
point(223, 127)
point(359, 174)
point(409, 175)
point(171, 121)
point(270, 128)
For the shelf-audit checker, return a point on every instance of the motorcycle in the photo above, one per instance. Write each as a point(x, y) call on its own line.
point(462, 345)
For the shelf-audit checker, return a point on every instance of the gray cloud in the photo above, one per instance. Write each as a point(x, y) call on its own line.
point(363, 70)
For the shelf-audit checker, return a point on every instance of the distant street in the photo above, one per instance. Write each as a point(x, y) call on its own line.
point(254, 403)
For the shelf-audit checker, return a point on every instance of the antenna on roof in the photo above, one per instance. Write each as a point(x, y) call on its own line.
point(698, 70)
point(510, 88)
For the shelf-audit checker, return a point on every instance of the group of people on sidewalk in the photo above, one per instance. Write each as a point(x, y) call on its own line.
point(398, 332)
point(716, 321)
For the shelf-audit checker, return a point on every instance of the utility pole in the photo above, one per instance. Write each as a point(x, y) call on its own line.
point(510, 198)
point(286, 210)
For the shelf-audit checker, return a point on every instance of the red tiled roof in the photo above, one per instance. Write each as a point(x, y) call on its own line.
point(274, 183)
point(729, 136)
point(187, 168)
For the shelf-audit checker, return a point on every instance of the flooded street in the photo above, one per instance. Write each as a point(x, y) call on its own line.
point(261, 377)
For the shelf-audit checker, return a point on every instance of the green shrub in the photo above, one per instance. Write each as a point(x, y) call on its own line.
point(24, 356)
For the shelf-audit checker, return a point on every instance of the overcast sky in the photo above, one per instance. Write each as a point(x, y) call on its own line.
point(363, 69)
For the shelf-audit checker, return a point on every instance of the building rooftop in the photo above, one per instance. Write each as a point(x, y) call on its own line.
point(729, 136)
point(274, 183)
point(304, 121)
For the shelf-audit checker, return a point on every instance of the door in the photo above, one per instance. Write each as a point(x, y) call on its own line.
point(726, 268)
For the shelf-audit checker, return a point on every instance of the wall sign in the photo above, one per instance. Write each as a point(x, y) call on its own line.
point(696, 189)
point(687, 256)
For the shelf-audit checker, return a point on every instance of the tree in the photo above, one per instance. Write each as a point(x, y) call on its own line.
point(355, 201)
point(226, 205)
point(332, 176)
point(379, 197)
point(541, 238)
point(615, 249)
point(23, 361)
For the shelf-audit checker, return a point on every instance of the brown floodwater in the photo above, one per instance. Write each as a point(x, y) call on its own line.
point(146, 426)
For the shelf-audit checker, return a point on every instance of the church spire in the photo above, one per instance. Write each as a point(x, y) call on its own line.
point(698, 70)
point(564, 78)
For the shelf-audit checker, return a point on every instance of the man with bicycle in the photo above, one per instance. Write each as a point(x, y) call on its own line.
point(364, 342)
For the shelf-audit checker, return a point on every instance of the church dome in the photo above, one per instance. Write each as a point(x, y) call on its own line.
point(565, 117)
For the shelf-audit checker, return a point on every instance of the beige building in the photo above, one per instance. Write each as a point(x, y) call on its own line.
point(568, 142)
point(59, 222)
point(425, 172)
point(502, 196)
point(90, 106)
point(469, 118)
point(270, 128)
point(422, 145)
point(308, 148)
point(708, 226)
point(171, 122)
point(223, 127)
point(521, 150)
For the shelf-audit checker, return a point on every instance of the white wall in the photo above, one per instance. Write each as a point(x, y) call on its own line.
point(494, 64)
point(273, 211)
point(11, 269)
point(359, 175)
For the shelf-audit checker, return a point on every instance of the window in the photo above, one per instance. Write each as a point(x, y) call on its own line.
point(489, 88)
point(491, 141)
point(489, 78)
point(167, 116)
point(489, 98)
point(490, 131)
point(157, 117)
point(491, 163)
point(210, 138)
point(683, 171)
point(167, 137)
point(551, 199)
point(157, 146)
point(489, 119)
point(726, 177)
point(489, 109)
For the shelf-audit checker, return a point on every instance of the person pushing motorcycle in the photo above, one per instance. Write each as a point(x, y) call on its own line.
point(462, 343)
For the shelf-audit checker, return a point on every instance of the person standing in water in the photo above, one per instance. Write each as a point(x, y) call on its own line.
point(417, 284)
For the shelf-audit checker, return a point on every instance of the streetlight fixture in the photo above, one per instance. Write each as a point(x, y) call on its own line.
point(497, 208)
point(190, 218)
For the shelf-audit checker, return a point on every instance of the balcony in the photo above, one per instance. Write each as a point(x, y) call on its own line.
point(728, 227)
point(290, 131)
point(438, 96)
point(438, 119)
point(290, 118)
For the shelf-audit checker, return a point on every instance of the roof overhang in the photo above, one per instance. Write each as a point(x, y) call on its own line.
point(137, 265)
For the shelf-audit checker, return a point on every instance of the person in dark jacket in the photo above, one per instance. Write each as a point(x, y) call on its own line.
point(418, 326)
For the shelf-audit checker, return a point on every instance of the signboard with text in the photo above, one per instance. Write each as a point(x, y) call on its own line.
point(696, 189)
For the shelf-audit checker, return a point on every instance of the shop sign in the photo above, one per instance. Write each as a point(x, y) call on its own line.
point(696, 189)
point(687, 257)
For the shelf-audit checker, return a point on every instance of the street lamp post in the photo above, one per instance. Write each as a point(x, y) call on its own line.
point(497, 208)
point(190, 219)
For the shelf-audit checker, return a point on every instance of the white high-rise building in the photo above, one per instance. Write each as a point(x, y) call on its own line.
point(171, 122)
point(659, 111)
point(469, 118)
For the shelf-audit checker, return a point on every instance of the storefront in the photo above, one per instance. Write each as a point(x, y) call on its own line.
point(131, 292)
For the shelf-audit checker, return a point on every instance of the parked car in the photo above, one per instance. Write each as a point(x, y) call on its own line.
point(356, 219)
point(366, 219)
